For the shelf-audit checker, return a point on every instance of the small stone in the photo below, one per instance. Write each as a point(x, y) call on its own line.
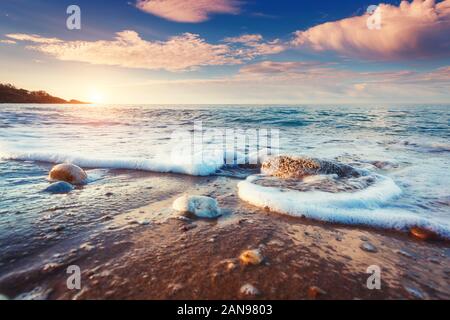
point(175, 288)
point(60, 187)
point(109, 194)
point(423, 234)
point(434, 260)
point(87, 246)
point(188, 227)
point(231, 266)
point(315, 292)
point(249, 291)
point(415, 292)
point(144, 223)
point(184, 219)
point(50, 267)
point(364, 238)
point(58, 228)
point(251, 257)
point(405, 254)
point(367, 246)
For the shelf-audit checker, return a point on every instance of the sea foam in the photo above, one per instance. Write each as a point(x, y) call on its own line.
point(203, 167)
point(365, 207)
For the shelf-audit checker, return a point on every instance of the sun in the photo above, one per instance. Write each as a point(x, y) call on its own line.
point(96, 97)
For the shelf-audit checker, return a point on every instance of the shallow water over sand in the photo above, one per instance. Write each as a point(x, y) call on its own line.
point(406, 144)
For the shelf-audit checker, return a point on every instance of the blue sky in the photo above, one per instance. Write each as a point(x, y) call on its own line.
point(280, 51)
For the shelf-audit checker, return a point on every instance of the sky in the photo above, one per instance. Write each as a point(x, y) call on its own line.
point(229, 51)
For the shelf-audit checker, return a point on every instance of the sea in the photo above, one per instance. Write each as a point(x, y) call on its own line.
point(404, 150)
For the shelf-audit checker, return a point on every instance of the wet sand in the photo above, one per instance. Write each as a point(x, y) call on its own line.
point(152, 253)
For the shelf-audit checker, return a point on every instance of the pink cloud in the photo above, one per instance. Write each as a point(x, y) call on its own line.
point(179, 53)
point(273, 67)
point(32, 38)
point(414, 29)
point(191, 11)
point(184, 52)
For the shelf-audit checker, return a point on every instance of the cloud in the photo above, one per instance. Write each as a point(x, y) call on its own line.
point(414, 29)
point(179, 53)
point(254, 45)
point(245, 39)
point(8, 41)
point(184, 52)
point(272, 67)
point(192, 11)
point(32, 38)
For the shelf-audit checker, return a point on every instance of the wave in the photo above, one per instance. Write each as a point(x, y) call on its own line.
point(158, 164)
point(364, 207)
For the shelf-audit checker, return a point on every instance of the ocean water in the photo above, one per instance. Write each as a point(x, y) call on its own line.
point(405, 148)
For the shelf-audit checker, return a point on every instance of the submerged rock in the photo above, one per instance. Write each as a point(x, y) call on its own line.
point(300, 167)
point(251, 257)
point(69, 173)
point(201, 206)
point(59, 188)
point(249, 290)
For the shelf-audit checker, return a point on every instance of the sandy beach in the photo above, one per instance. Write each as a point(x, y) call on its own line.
point(135, 256)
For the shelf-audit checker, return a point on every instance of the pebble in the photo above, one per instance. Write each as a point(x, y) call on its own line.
point(406, 254)
point(58, 228)
point(249, 290)
point(50, 267)
point(415, 293)
point(59, 188)
point(434, 260)
point(367, 246)
point(251, 257)
point(423, 234)
point(87, 246)
point(188, 227)
point(175, 288)
point(315, 292)
point(231, 266)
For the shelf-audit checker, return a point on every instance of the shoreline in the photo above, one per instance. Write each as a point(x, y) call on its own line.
point(137, 256)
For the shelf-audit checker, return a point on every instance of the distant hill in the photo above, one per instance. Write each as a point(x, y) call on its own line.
point(11, 94)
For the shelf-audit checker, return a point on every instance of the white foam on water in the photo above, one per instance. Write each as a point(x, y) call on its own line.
point(365, 207)
point(203, 167)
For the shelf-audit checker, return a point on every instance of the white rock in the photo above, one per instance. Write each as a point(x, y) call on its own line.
point(201, 206)
point(249, 290)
